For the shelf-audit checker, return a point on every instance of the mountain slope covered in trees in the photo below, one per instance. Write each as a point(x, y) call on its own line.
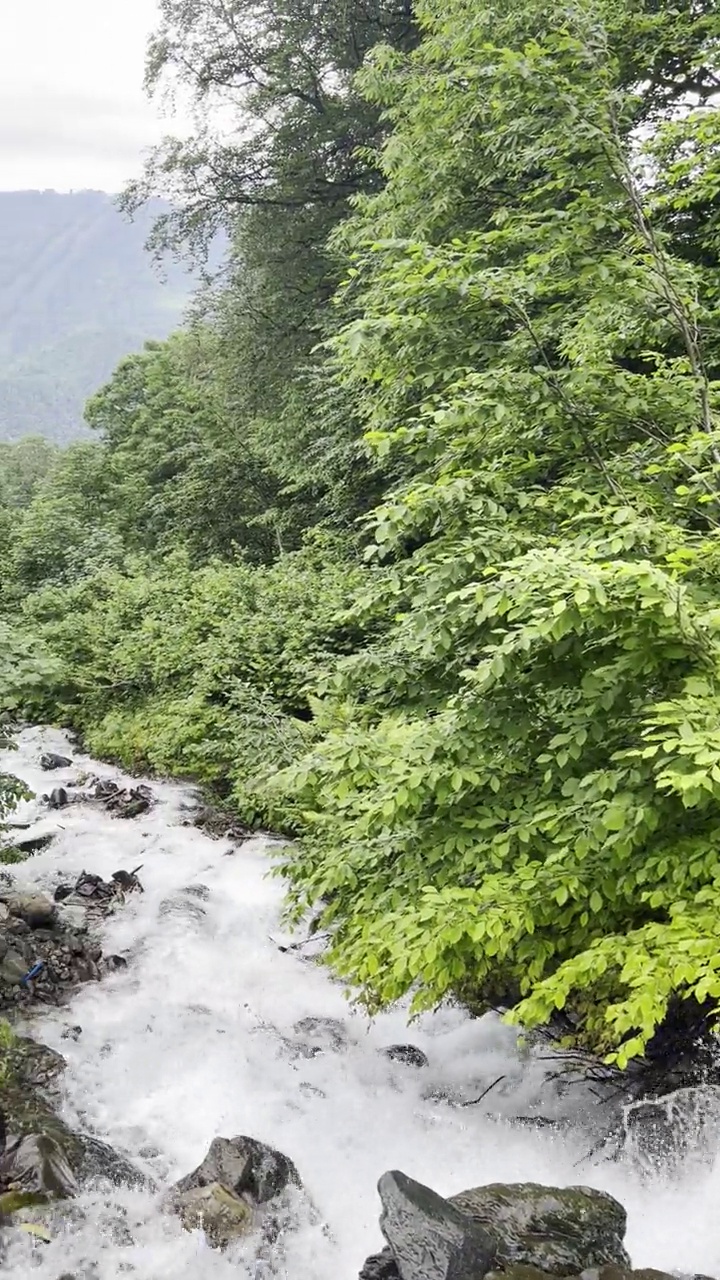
point(410, 546)
point(77, 292)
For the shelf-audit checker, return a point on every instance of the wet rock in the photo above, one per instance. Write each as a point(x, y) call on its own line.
point(127, 881)
point(199, 891)
point(37, 1166)
point(92, 892)
point(223, 1216)
point(320, 1035)
point(559, 1230)
point(75, 927)
point(33, 844)
point(122, 802)
point(113, 963)
point(46, 947)
point(619, 1273)
point(30, 1074)
point(380, 1266)
point(13, 969)
point(58, 798)
point(51, 761)
point(249, 1174)
point(407, 1053)
point(182, 907)
point(430, 1238)
point(247, 1167)
point(35, 909)
point(35, 1066)
point(106, 789)
point(521, 1272)
point(129, 803)
point(71, 1033)
point(218, 823)
point(96, 1161)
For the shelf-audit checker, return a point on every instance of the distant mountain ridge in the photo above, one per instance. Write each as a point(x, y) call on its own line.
point(77, 292)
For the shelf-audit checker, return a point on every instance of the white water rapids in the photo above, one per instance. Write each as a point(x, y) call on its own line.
point(187, 1044)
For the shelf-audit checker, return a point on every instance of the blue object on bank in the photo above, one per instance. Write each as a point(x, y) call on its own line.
point(33, 973)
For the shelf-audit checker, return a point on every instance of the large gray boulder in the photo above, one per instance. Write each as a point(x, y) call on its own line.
point(35, 909)
point(519, 1231)
point(247, 1167)
point(241, 1185)
point(430, 1239)
point(560, 1230)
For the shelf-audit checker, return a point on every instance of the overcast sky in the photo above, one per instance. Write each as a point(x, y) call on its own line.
point(72, 109)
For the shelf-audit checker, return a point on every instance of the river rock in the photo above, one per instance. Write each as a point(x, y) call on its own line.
point(124, 802)
point(13, 969)
point(409, 1054)
point(430, 1239)
point(96, 1161)
point(29, 1095)
point(380, 1266)
point(320, 1035)
point(34, 908)
point(28, 845)
point(247, 1167)
point(222, 1215)
point(50, 761)
point(34, 1065)
point(240, 1185)
point(46, 948)
point(58, 798)
point(563, 1231)
point(36, 1168)
point(608, 1272)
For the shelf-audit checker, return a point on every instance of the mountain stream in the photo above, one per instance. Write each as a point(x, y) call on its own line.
point(195, 1039)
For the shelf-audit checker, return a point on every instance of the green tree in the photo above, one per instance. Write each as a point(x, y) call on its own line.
point(279, 81)
point(182, 468)
point(518, 794)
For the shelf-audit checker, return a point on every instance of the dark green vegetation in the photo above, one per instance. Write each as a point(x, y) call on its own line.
point(76, 293)
point(410, 543)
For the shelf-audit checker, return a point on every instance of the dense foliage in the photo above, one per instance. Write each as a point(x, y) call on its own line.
point(409, 542)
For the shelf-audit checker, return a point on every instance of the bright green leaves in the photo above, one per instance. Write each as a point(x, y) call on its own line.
point(531, 782)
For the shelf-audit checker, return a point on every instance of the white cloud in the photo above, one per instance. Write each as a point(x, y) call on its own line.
point(72, 109)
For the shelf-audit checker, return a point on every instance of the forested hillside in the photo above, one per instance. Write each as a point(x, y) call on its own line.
point(410, 547)
point(77, 292)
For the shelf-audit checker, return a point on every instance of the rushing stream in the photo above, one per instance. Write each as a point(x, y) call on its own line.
point(194, 1039)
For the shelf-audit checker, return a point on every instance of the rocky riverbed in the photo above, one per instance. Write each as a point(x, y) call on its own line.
point(207, 1104)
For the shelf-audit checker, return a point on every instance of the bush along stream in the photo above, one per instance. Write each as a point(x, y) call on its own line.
point(186, 1094)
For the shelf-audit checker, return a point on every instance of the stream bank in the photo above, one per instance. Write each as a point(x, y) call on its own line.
point(213, 1030)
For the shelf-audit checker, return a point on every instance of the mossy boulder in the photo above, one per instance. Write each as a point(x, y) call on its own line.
point(560, 1230)
point(29, 1074)
point(216, 1209)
